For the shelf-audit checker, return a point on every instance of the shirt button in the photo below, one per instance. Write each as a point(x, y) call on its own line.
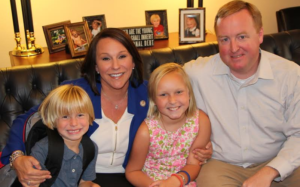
point(73, 170)
point(74, 157)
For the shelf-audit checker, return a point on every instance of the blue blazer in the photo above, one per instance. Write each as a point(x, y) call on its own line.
point(137, 105)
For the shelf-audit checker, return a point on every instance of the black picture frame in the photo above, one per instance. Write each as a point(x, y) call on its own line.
point(154, 15)
point(55, 36)
point(98, 20)
point(192, 25)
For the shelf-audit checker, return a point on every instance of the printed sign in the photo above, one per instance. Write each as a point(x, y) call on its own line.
point(141, 36)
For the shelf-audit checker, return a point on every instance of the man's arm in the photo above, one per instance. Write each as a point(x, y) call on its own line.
point(288, 158)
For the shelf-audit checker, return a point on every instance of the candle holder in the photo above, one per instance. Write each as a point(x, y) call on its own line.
point(31, 50)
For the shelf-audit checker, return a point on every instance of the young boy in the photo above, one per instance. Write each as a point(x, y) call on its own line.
point(158, 28)
point(192, 29)
point(68, 109)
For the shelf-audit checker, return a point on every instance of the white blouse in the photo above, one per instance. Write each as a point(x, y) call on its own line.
point(112, 140)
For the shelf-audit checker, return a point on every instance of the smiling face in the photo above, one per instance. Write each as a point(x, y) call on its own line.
point(74, 34)
point(172, 97)
point(72, 127)
point(191, 23)
point(94, 25)
point(114, 64)
point(156, 22)
point(239, 43)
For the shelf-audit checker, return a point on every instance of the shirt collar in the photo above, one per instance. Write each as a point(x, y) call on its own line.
point(192, 29)
point(264, 70)
point(69, 154)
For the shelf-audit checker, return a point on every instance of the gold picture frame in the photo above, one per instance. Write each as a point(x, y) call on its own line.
point(79, 38)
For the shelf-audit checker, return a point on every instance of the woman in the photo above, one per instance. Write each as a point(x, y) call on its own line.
point(112, 76)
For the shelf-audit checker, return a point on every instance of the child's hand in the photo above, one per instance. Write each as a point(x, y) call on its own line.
point(170, 182)
point(88, 184)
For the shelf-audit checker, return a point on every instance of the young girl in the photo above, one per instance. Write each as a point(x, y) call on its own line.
point(161, 153)
point(96, 27)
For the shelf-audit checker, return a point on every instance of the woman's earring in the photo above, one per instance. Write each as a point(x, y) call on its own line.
point(133, 68)
point(97, 72)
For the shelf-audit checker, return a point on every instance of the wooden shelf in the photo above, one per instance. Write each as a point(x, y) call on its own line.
point(46, 57)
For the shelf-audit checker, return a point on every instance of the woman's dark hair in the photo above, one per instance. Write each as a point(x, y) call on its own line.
point(88, 70)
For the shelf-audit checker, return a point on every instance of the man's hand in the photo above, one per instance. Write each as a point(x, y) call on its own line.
point(263, 178)
point(203, 154)
point(27, 174)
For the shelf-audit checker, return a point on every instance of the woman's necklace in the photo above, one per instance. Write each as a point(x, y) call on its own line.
point(116, 105)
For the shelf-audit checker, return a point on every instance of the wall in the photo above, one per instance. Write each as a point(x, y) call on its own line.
point(118, 13)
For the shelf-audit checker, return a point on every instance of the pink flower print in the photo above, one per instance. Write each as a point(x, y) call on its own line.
point(195, 130)
point(155, 132)
point(177, 163)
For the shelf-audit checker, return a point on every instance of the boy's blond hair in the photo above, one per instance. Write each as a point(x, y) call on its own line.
point(154, 80)
point(65, 100)
point(154, 17)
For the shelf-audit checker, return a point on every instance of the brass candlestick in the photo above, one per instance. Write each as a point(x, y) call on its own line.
point(31, 50)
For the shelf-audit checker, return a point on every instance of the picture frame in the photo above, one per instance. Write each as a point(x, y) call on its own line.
point(79, 38)
point(192, 25)
point(96, 23)
point(158, 18)
point(55, 36)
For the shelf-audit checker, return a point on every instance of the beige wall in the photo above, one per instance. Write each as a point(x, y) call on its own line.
point(118, 13)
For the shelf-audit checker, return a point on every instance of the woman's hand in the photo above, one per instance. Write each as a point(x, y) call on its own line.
point(26, 172)
point(203, 154)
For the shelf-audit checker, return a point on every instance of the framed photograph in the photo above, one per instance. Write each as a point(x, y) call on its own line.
point(191, 25)
point(79, 38)
point(96, 23)
point(158, 18)
point(56, 36)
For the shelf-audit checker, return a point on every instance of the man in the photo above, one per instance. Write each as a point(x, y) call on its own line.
point(252, 98)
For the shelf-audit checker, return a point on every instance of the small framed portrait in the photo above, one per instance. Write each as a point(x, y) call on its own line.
point(158, 18)
point(56, 36)
point(191, 25)
point(96, 23)
point(79, 38)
